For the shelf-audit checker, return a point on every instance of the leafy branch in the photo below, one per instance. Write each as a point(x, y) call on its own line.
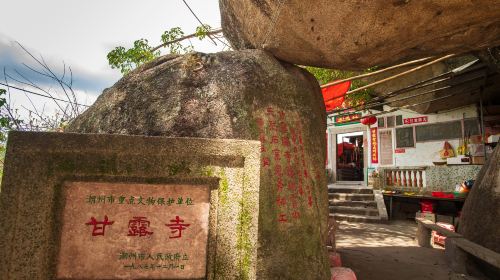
point(128, 59)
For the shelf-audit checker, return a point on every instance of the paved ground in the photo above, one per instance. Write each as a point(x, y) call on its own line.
point(389, 252)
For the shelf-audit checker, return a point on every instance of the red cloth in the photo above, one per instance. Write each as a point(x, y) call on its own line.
point(335, 260)
point(342, 146)
point(438, 238)
point(334, 95)
point(427, 206)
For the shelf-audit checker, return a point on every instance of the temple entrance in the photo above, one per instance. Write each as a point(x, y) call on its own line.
point(350, 157)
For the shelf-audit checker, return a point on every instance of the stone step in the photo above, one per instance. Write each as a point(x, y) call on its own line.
point(354, 210)
point(365, 204)
point(357, 218)
point(350, 190)
point(352, 197)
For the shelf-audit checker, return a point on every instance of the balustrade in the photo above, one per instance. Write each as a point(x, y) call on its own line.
point(405, 177)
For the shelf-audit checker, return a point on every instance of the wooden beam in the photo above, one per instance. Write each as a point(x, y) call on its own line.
point(401, 74)
point(377, 72)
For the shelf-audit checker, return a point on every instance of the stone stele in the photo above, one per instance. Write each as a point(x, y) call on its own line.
point(88, 206)
point(240, 95)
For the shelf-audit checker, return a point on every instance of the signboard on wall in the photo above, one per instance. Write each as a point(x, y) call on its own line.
point(416, 120)
point(138, 231)
point(347, 119)
point(374, 144)
point(386, 147)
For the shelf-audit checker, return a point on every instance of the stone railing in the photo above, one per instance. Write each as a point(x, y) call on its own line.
point(404, 177)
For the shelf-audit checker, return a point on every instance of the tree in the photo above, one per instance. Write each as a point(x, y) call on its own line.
point(128, 59)
point(37, 119)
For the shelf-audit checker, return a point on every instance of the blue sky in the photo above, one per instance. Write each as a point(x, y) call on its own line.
point(81, 33)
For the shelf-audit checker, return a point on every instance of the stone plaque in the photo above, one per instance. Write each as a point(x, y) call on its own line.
point(88, 206)
point(134, 231)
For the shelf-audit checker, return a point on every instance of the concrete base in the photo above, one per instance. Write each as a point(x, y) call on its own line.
point(455, 257)
point(382, 210)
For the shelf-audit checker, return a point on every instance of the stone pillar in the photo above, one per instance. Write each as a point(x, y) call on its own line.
point(423, 236)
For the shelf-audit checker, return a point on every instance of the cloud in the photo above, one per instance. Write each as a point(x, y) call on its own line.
point(12, 58)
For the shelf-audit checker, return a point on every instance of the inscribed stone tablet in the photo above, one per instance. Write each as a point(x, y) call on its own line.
point(134, 231)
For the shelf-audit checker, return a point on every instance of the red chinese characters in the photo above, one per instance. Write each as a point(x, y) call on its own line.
point(139, 226)
point(177, 226)
point(282, 218)
point(99, 227)
point(416, 120)
point(265, 161)
point(284, 159)
point(374, 144)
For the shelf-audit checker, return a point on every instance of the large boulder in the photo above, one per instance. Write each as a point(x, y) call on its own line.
point(244, 95)
point(480, 218)
point(358, 34)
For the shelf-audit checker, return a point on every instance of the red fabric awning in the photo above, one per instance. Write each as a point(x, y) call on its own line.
point(334, 95)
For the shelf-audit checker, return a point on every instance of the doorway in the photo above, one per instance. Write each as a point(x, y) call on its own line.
point(350, 163)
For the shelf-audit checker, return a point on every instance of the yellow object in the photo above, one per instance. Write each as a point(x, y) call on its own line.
point(447, 151)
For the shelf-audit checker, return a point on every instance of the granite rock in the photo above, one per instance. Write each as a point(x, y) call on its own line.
point(243, 95)
point(481, 212)
point(360, 34)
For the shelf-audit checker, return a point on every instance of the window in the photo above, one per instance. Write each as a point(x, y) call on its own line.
point(390, 121)
point(404, 137)
point(399, 120)
point(381, 122)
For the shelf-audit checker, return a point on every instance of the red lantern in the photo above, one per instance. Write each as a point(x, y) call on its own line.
point(369, 120)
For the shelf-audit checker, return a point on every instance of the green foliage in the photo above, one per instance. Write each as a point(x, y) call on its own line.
point(170, 36)
point(128, 59)
point(202, 31)
point(6, 121)
point(324, 76)
point(6, 124)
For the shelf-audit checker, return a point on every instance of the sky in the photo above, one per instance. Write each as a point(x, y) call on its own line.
point(79, 34)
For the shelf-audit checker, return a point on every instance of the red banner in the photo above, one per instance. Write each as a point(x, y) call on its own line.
point(374, 144)
point(416, 120)
point(399, 151)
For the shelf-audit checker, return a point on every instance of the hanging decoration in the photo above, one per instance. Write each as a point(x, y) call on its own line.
point(369, 120)
point(374, 144)
point(334, 95)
